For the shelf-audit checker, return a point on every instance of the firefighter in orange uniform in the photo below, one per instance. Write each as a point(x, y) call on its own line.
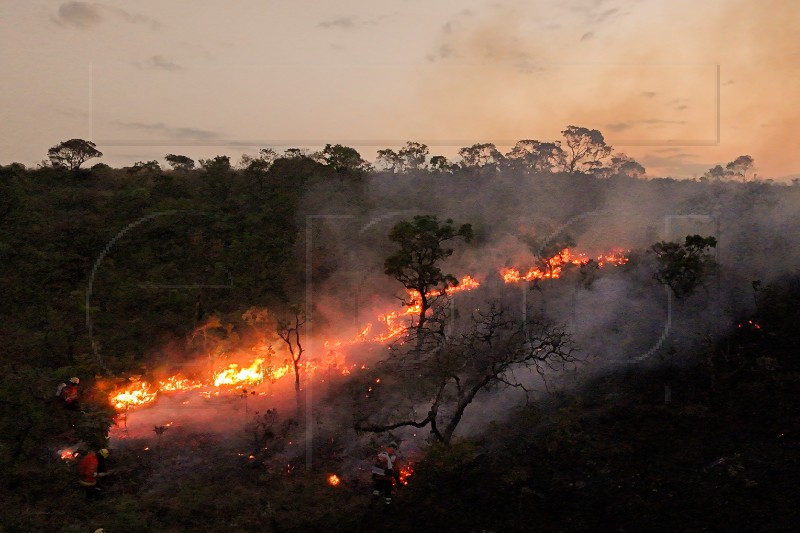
point(68, 392)
point(87, 472)
point(385, 472)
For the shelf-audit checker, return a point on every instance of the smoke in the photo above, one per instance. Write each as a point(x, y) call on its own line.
point(622, 317)
point(643, 73)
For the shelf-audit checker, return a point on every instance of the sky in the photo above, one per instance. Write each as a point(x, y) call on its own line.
point(679, 85)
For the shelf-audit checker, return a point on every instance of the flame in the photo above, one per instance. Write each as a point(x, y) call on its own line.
point(252, 375)
point(615, 257)
point(405, 473)
point(553, 266)
point(394, 324)
point(177, 383)
point(122, 400)
point(333, 480)
point(67, 454)
point(394, 321)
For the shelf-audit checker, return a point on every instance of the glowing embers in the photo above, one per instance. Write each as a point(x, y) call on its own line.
point(749, 325)
point(334, 480)
point(406, 471)
point(553, 266)
point(616, 257)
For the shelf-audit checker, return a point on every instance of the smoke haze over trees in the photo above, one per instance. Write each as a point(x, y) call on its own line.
point(185, 257)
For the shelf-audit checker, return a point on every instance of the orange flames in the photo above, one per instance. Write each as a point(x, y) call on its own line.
point(395, 321)
point(333, 480)
point(552, 267)
point(67, 454)
point(143, 393)
point(233, 375)
point(176, 383)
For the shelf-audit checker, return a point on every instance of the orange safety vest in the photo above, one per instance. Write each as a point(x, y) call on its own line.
point(87, 470)
point(70, 394)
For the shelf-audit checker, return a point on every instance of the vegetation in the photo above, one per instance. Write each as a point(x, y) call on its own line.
point(180, 258)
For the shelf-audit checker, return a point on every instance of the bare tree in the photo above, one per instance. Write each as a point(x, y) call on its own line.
point(289, 332)
point(493, 351)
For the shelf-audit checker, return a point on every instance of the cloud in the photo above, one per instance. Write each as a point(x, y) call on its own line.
point(619, 126)
point(160, 62)
point(603, 15)
point(84, 15)
point(443, 52)
point(79, 14)
point(169, 131)
point(342, 23)
point(648, 94)
point(626, 125)
point(586, 36)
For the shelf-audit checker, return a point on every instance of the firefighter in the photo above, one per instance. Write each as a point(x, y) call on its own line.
point(385, 472)
point(68, 393)
point(87, 474)
point(102, 455)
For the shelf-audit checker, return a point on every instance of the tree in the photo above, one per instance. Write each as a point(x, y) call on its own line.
point(295, 153)
point(145, 166)
point(11, 192)
point(488, 354)
point(535, 156)
point(585, 149)
point(740, 167)
point(221, 164)
point(344, 159)
point(289, 332)
point(439, 163)
point(73, 153)
point(480, 155)
point(422, 245)
point(413, 155)
point(179, 162)
point(622, 165)
point(683, 267)
point(389, 160)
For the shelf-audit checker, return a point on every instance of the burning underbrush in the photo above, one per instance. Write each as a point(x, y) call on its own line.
point(240, 394)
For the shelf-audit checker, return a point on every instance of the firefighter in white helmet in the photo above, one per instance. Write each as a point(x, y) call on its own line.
point(68, 393)
point(385, 472)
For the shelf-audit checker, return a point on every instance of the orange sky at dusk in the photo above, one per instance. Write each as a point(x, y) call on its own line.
point(678, 85)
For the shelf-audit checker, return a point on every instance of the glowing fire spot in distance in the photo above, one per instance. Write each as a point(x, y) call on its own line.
point(333, 480)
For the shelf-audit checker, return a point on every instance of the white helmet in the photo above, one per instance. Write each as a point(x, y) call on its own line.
point(74, 380)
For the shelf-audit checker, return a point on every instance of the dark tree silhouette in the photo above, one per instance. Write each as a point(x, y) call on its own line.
point(73, 153)
point(422, 245)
